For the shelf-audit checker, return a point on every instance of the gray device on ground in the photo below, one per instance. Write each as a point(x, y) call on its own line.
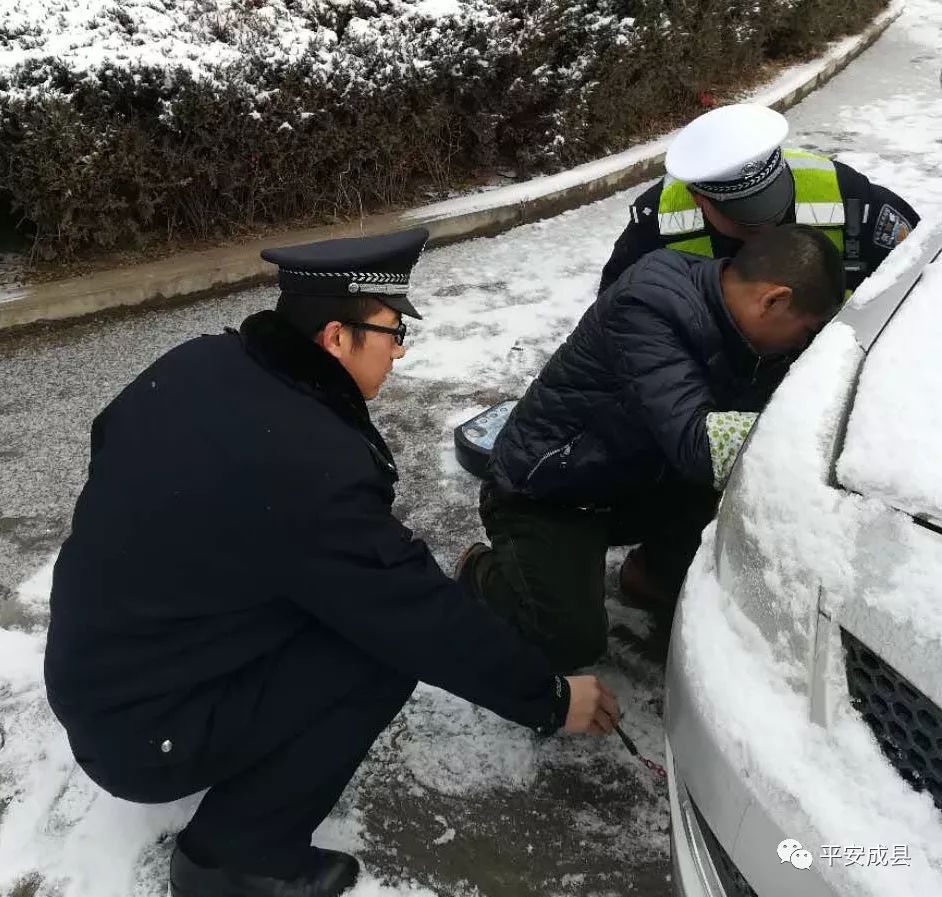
point(474, 439)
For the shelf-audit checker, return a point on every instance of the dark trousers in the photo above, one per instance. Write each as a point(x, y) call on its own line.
point(546, 571)
point(281, 778)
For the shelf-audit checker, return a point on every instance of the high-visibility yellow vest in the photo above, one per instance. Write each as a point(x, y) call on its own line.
point(818, 202)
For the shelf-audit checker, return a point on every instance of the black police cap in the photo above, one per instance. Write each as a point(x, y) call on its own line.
point(378, 267)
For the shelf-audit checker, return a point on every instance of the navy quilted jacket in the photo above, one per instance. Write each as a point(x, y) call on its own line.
point(623, 402)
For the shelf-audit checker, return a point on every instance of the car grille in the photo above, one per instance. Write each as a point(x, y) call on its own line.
point(906, 723)
point(730, 877)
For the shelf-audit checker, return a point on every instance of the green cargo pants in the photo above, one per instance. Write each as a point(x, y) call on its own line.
point(545, 573)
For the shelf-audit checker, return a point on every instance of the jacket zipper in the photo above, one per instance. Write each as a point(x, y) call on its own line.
point(755, 371)
point(565, 450)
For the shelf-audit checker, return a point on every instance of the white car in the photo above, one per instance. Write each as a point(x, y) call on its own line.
point(804, 684)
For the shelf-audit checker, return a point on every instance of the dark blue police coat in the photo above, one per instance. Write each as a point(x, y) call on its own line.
point(238, 496)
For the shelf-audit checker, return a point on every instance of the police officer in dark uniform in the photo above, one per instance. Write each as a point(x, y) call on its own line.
point(728, 177)
point(237, 609)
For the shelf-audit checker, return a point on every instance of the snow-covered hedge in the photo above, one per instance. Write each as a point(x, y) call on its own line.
point(121, 121)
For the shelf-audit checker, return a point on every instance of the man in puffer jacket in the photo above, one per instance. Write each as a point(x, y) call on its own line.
point(630, 430)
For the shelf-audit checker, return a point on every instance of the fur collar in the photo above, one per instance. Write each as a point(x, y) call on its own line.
point(303, 365)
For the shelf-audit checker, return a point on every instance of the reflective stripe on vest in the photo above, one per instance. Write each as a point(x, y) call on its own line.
point(803, 159)
point(677, 213)
point(670, 223)
point(819, 214)
point(818, 199)
point(818, 202)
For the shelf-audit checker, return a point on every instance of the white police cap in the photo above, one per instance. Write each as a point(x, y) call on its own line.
point(732, 156)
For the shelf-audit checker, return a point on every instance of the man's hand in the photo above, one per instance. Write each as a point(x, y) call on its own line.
point(592, 707)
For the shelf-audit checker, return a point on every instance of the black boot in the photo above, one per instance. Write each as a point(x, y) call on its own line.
point(331, 874)
point(465, 564)
point(644, 586)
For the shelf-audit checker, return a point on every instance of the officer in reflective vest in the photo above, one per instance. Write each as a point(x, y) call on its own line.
point(728, 177)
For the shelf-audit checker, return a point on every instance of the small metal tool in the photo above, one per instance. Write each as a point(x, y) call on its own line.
point(656, 768)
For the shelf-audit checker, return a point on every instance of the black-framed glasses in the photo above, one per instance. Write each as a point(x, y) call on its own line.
point(398, 332)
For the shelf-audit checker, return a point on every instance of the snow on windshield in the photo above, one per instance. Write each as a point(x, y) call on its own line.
point(894, 439)
point(898, 261)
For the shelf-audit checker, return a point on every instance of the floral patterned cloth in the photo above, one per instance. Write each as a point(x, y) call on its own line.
point(727, 431)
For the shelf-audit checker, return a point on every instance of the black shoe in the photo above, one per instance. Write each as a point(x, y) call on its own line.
point(331, 875)
point(642, 588)
point(463, 566)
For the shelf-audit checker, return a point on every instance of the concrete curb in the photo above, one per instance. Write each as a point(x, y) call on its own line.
point(484, 214)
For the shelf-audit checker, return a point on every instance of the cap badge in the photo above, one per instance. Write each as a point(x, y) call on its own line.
point(750, 169)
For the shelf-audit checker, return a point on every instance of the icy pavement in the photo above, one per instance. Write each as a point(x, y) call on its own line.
point(451, 799)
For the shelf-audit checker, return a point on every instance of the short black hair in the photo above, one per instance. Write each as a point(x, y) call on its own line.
point(311, 314)
point(800, 257)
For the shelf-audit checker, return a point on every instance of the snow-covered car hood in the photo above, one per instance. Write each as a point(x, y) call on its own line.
point(816, 566)
point(826, 467)
point(893, 446)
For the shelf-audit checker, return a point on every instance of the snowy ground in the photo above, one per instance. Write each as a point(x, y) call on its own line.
point(451, 800)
